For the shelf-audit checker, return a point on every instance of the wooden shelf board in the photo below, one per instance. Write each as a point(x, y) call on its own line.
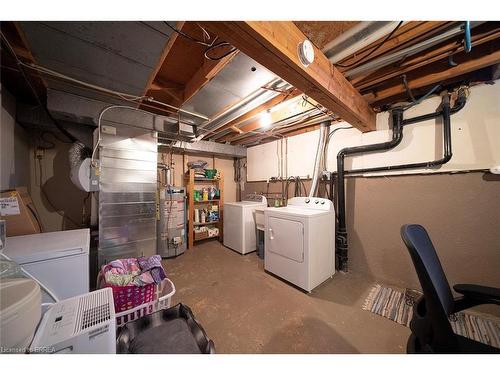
point(203, 179)
point(206, 238)
point(206, 223)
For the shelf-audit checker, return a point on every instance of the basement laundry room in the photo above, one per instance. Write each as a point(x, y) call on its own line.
point(192, 186)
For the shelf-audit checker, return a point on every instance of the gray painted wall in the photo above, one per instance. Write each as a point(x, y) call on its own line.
point(14, 146)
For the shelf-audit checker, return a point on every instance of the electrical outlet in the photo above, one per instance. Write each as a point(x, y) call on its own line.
point(39, 153)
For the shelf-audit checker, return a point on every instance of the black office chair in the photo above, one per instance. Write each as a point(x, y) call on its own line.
point(430, 327)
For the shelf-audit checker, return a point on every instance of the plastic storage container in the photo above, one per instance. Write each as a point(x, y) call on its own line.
point(170, 331)
point(20, 313)
point(160, 299)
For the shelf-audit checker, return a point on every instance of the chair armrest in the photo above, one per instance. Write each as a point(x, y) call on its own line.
point(474, 295)
point(477, 291)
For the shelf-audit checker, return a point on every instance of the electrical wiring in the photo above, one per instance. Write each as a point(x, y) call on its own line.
point(419, 100)
point(374, 49)
point(210, 45)
point(407, 88)
point(187, 36)
point(219, 45)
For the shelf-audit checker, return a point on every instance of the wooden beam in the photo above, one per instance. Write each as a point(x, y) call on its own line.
point(172, 89)
point(208, 70)
point(463, 67)
point(274, 45)
point(166, 50)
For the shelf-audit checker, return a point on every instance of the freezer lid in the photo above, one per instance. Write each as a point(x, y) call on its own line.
point(46, 246)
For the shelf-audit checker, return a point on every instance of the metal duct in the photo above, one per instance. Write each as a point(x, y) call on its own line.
point(356, 38)
point(406, 52)
point(319, 155)
point(258, 97)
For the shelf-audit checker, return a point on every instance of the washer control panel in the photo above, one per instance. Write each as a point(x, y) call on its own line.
point(312, 203)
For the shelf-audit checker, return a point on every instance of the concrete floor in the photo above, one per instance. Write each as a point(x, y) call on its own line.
point(247, 310)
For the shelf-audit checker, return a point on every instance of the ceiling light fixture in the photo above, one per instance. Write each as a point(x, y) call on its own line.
point(266, 119)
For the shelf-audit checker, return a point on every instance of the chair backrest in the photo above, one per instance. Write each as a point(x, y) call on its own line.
point(429, 270)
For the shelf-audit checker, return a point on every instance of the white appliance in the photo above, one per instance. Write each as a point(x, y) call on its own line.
point(60, 260)
point(84, 324)
point(239, 223)
point(300, 241)
point(20, 312)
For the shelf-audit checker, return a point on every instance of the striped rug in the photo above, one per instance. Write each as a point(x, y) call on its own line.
point(397, 306)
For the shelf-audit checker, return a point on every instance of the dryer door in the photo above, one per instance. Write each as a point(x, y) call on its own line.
point(286, 238)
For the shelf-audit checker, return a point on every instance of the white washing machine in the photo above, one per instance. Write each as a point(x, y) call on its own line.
point(300, 241)
point(239, 223)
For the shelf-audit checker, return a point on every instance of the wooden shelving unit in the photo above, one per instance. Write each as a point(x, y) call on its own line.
point(192, 184)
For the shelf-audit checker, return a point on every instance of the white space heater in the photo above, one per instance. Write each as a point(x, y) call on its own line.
point(84, 324)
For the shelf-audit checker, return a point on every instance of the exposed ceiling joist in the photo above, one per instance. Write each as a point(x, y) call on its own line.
point(289, 94)
point(183, 70)
point(291, 108)
point(285, 132)
point(166, 51)
point(467, 63)
point(449, 49)
point(274, 45)
point(409, 33)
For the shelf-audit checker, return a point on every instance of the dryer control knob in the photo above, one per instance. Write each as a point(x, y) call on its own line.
point(316, 201)
point(307, 200)
point(322, 202)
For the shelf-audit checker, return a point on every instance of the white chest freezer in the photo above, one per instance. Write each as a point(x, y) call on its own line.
point(60, 260)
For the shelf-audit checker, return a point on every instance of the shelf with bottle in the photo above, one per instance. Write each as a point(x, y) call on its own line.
point(205, 205)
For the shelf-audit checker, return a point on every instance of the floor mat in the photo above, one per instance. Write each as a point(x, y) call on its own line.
point(397, 306)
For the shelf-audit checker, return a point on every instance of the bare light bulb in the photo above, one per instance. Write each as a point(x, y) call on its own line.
point(266, 119)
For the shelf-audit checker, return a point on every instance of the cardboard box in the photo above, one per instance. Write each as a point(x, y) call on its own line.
point(17, 209)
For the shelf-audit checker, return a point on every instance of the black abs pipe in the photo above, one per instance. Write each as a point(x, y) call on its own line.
point(398, 123)
point(341, 236)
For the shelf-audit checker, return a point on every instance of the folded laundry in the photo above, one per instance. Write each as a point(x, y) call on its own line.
point(132, 271)
point(153, 264)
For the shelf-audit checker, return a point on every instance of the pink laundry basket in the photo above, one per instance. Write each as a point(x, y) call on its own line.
point(128, 297)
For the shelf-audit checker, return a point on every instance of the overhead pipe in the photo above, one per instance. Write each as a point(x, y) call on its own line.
point(398, 123)
point(356, 38)
point(250, 102)
point(323, 131)
point(467, 39)
point(385, 60)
